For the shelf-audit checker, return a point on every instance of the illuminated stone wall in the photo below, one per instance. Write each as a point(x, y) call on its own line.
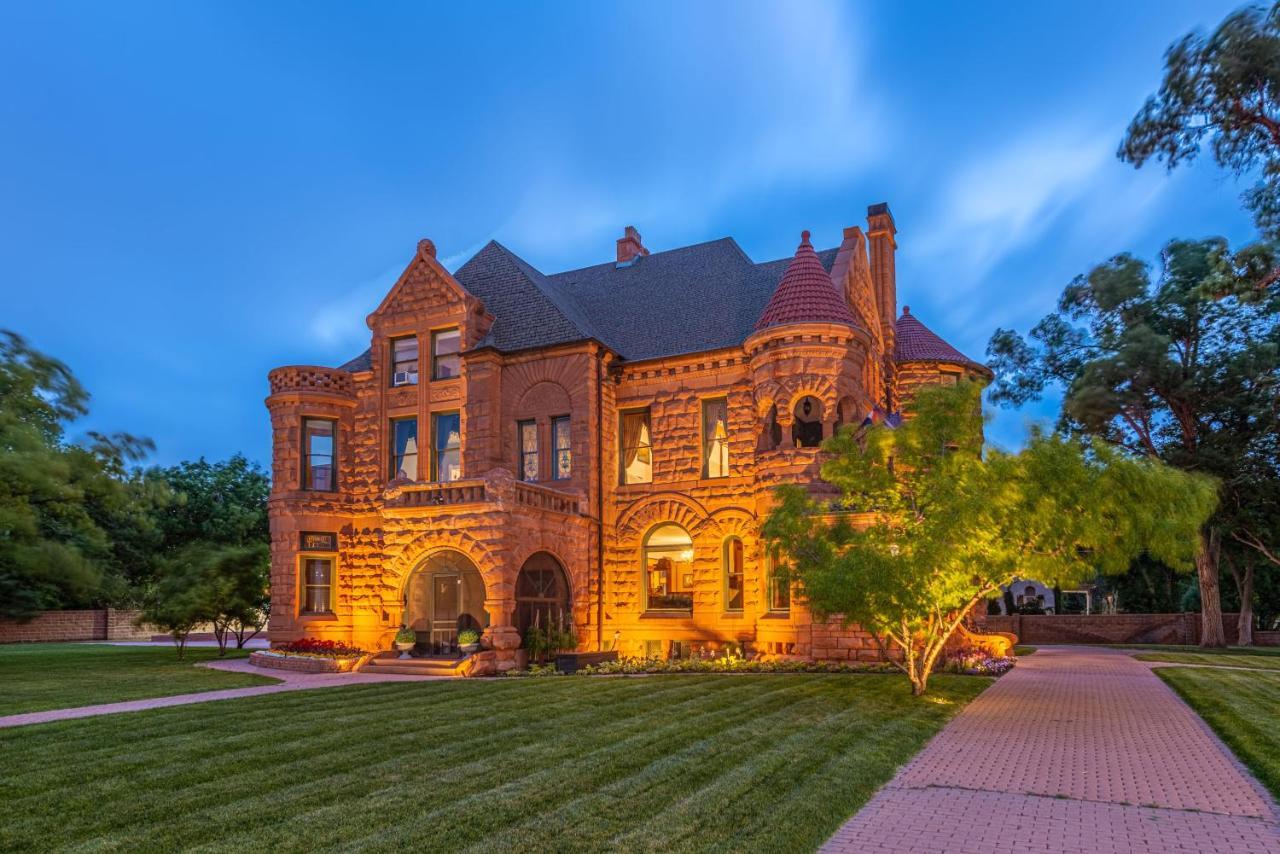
point(594, 526)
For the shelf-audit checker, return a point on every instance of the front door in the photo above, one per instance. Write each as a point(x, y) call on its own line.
point(446, 592)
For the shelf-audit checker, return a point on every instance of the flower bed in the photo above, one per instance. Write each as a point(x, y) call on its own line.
point(312, 656)
point(973, 665)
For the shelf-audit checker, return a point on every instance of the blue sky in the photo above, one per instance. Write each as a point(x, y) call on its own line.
point(193, 193)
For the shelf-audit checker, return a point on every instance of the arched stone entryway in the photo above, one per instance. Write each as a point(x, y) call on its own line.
point(443, 596)
point(542, 594)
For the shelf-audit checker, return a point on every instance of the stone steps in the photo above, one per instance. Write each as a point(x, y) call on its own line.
point(417, 666)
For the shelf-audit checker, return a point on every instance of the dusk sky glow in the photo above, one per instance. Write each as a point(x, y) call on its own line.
point(194, 193)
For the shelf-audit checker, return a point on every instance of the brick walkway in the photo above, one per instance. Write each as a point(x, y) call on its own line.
point(1077, 749)
point(290, 681)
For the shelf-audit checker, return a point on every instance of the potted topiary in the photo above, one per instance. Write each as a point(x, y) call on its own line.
point(468, 640)
point(406, 639)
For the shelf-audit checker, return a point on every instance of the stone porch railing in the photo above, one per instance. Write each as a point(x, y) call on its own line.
point(498, 487)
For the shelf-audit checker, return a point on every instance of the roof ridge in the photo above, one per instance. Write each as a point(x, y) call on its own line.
point(656, 255)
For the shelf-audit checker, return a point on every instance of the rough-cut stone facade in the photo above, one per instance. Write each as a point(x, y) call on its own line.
point(589, 524)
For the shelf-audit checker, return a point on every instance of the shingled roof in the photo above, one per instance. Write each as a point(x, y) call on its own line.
point(915, 342)
point(687, 300)
point(805, 293)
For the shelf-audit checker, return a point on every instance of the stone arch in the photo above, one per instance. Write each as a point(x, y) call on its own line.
point(663, 507)
point(425, 545)
point(807, 422)
point(543, 592)
point(443, 595)
point(733, 521)
point(544, 397)
point(821, 388)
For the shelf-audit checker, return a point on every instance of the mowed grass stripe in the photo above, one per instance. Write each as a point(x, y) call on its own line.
point(39, 677)
point(309, 755)
point(502, 776)
point(1241, 706)
point(633, 759)
point(681, 762)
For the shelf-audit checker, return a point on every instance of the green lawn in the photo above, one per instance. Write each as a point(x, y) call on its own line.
point(1242, 707)
point(1023, 650)
point(1267, 658)
point(36, 677)
point(727, 763)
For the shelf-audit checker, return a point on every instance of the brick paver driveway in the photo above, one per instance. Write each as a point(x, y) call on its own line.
point(1077, 749)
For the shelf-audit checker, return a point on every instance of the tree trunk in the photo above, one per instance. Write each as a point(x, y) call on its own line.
point(1211, 632)
point(1245, 621)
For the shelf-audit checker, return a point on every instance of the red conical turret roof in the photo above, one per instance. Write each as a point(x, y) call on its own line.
point(805, 294)
point(915, 342)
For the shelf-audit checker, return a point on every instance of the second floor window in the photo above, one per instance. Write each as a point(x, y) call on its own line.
point(445, 361)
point(562, 447)
point(319, 454)
point(715, 438)
point(446, 457)
point(527, 433)
point(404, 448)
point(404, 360)
point(317, 585)
point(637, 450)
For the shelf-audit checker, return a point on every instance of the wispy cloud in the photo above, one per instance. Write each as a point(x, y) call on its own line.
point(796, 112)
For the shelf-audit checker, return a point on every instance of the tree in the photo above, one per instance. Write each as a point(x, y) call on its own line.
point(222, 503)
point(939, 526)
point(1222, 90)
point(225, 587)
point(60, 503)
point(1184, 368)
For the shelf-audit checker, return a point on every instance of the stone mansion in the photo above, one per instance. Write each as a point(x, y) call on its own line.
point(597, 446)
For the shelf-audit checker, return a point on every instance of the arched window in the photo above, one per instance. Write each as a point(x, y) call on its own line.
point(806, 428)
point(733, 574)
point(668, 569)
point(845, 413)
point(542, 594)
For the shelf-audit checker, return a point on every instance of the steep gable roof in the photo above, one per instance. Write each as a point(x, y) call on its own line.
point(916, 342)
point(805, 293)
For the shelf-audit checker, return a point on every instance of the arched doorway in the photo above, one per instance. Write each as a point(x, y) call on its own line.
point(444, 596)
point(806, 428)
point(542, 594)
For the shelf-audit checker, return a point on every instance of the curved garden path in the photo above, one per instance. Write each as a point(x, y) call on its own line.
point(1078, 749)
point(289, 681)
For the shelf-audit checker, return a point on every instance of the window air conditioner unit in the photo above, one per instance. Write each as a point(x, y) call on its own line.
point(405, 378)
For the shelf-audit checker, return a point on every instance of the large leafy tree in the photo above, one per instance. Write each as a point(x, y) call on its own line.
point(1220, 91)
point(64, 507)
point(935, 526)
point(1183, 367)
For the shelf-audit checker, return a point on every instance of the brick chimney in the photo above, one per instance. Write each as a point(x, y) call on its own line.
point(629, 246)
point(880, 237)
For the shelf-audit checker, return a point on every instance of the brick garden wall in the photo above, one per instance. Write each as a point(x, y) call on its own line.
point(1115, 628)
point(94, 624)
